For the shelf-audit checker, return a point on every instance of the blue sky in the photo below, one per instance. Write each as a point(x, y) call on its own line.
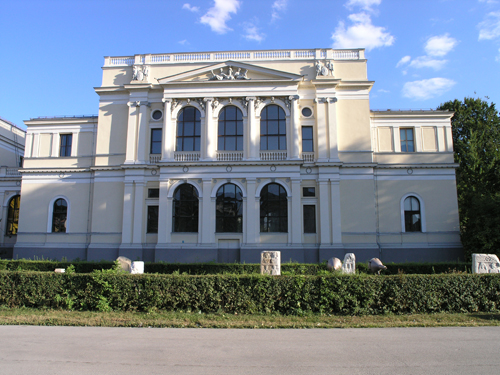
point(420, 53)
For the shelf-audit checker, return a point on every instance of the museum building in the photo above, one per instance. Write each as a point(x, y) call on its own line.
point(217, 156)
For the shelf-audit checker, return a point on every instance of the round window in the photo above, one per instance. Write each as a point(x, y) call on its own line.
point(157, 114)
point(306, 112)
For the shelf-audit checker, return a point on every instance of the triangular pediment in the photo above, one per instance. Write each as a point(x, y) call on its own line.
point(230, 71)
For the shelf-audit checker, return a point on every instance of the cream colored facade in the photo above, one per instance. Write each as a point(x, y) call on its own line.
point(11, 155)
point(343, 177)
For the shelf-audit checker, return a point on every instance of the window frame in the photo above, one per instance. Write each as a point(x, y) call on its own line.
point(150, 224)
point(65, 148)
point(406, 141)
point(153, 142)
point(281, 136)
point(304, 218)
point(265, 226)
point(307, 139)
point(50, 221)
point(225, 137)
point(15, 216)
point(227, 202)
point(423, 226)
point(177, 204)
point(180, 124)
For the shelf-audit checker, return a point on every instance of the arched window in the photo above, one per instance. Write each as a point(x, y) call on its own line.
point(272, 128)
point(230, 129)
point(273, 209)
point(229, 209)
point(185, 209)
point(413, 220)
point(188, 130)
point(59, 216)
point(13, 215)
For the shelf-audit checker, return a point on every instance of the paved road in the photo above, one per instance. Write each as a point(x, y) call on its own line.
point(96, 351)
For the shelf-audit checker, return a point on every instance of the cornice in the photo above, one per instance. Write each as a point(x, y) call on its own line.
point(54, 170)
point(419, 166)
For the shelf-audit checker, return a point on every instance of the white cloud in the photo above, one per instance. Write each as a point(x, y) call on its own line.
point(427, 88)
point(489, 1)
point(440, 45)
point(404, 60)
point(183, 42)
point(190, 8)
point(383, 91)
point(427, 62)
point(219, 14)
point(365, 4)
point(490, 27)
point(498, 57)
point(278, 6)
point(362, 34)
point(252, 33)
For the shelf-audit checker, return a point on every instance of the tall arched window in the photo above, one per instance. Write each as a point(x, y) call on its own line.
point(59, 216)
point(413, 220)
point(185, 209)
point(188, 129)
point(272, 128)
point(13, 215)
point(230, 129)
point(229, 209)
point(273, 209)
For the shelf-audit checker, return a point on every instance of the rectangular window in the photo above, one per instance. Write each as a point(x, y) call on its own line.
point(407, 144)
point(308, 191)
point(307, 139)
point(309, 219)
point(65, 146)
point(156, 141)
point(153, 193)
point(152, 219)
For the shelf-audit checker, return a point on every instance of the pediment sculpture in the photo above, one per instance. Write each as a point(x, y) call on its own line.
point(324, 69)
point(140, 73)
point(230, 74)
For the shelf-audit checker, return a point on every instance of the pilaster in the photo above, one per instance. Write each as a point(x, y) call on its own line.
point(251, 220)
point(211, 130)
point(168, 141)
point(296, 215)
point(322, 126)
point(253, 141)
point(142, 141)
point(74, 144)
point(332, 129)
point(130, 155)
point(294, 128)
point(335, 207)
point(324, 211)
point(208, 214)
point(138, 213)
point(164, 214)
point(128, 212)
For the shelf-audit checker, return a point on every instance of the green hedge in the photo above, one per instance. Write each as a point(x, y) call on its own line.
point(229, 268)
point(331, 294)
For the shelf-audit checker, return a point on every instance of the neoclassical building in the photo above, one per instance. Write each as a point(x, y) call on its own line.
point(216, 156)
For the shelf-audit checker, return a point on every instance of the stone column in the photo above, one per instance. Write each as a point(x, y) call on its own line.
point(294, 128)
point(168, 141)
point(208, 214)
point(163, 214)
point(128, 212)
point(397, 139)
point(336, 218)
point(296, 214)
point(131, 133)
point(253, 142)
point(55, 145)
point(74, 144)
point(322, 126)
point(29, 145)
point(142, 141)
point(211, 130)
point(332, 129)
point(139, 208)
point(252, 212)
point(324, 212)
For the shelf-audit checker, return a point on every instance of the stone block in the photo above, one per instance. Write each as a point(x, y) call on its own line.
point(137, 267)
point(270, 263)
point(349, 265)
point(125, 263)
point(485, 263)
point(334, 264)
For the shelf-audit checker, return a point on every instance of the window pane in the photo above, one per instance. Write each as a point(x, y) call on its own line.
point(220, 144)
point(282, 127)
point(263, 143)
point(272, 112)
point(197, 144)
point(239, 144)
point(230, 143)
point(188, 144)
point(402, 134)
point(307, 146)
point(230, 128)
point(410, 147)
point(309, 219)
point(188, 128)
point(282, 143)
point(309, 192)
point(152, 226)
point(409, 134)
point(272, 127)
point(272, 143)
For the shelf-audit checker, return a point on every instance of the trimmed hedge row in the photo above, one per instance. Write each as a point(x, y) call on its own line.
point(291, 295)
point(230, 268)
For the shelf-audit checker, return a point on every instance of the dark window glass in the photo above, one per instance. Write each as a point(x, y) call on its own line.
point(153, 193)
point(309, 219)
point(157, 114)
point(188, 130)
point(156, 141)
point(152, 219)
point(13, 215)
point(309, 191)
point(307, 139)
point(230, 129)
point(407, 144)
point(59, 216)
point(413, 222)
point(185, 209)
point(273, 209)
point(229, 209)
point(65, 146)
point(306, 112)
point(272, 128)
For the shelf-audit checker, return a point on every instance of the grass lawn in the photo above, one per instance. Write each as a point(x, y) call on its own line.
point(26, 316)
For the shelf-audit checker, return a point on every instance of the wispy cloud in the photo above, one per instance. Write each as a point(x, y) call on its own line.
point(190, 8)
point(183, 42)
point(364, 4)
point(252, 33)
point(278, 6)
point(403, 61)
point(361, 34)
point(383, 91)
point(427, 88)
point(219, 14)
point(490, 28)
point(427, 62)
point(440, 45)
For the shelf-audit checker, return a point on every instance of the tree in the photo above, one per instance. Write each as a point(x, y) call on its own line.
point(476, 139)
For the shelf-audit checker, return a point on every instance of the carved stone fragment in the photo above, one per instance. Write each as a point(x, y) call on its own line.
point(125, 263)
point(349, 265)
point(485, 263)
point(375, 265)
point(137, 267)
point(270, 263)
point(334, 264)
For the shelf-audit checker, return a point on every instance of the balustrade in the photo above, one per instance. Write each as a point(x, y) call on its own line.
point(308, 157)
point(187, 156)
point(229, 155)
point(273, 155)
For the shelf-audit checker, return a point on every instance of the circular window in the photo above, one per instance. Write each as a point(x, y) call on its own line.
point(306, 112)
point(157, 115)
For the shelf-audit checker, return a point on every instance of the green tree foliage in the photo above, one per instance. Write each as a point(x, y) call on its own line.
point(476, 138)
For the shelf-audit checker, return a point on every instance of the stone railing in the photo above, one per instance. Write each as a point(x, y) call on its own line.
point(187, 156)
point(273, 155)
point(172, 58)
point(154, 158)
point(308, 157)
point(229, 155)
point(9, 171)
